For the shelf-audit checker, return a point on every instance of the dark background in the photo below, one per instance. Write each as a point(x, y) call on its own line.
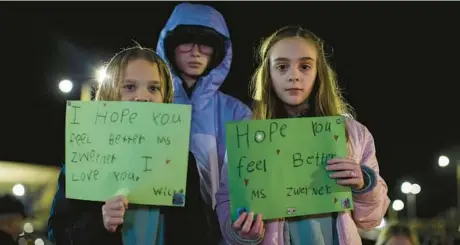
point(396, 61)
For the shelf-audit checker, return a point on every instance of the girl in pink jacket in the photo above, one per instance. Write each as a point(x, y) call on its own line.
point(294, 79)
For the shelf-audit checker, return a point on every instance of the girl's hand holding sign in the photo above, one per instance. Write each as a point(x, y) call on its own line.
point(247, 228)
point(113, 212)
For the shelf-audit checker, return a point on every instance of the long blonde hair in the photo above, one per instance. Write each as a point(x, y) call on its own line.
point(325, 98)
point(109, 88)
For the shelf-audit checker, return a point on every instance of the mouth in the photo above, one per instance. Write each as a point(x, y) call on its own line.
point(194, 64)
point(294, 89)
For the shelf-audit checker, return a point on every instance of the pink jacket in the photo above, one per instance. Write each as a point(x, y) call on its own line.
point(369, 208)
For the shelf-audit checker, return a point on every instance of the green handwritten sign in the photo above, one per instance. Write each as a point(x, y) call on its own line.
point(277, 167)
point(133, 148)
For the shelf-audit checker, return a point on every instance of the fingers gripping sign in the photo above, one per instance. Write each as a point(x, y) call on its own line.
point(347, 171)
point(249, 228)
point(113, 212)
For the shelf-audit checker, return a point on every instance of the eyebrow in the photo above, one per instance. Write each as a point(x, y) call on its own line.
point(133, 81)
point(283, 59)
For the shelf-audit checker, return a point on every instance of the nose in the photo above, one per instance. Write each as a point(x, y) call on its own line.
point(294, 78)
point(195, 50)
point(294, 75)
point(142, 96)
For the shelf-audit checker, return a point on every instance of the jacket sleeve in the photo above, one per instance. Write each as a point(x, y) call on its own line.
point(242, 112)
point(371, 203)
point(223, 212)
point(75, 222)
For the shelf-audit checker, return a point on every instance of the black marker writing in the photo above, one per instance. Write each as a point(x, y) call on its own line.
point(114, 117)
point(80, 139)
point(121, 176)
point(90, 175)
point(251, 166)
point(245, 133)
point(115, 139)
point(74, 121)
point(163, 118)
point(164, 191)
point(146, 169)
point(319, 127)
point(259, 135)
point(308, 191)
point(319, 159)
point(163, 140)
point(274, 128)
point(92, 156)
point(258, 194)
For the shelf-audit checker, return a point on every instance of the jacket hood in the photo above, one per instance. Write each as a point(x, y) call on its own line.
point(206, 16)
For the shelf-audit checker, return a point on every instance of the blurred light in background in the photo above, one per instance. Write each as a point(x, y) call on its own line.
point(406, 187)
point(22, 241)
point(397, 205)
point(443, 161)
point(28, 228)
point(416, 189)
point(19, 190)
point(39, 241)
point(65, 86)
point(101, 74)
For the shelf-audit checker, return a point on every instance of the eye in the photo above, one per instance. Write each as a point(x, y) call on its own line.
point(281, 67)
point(305, 67)
point(129, 87)
point(155, 88)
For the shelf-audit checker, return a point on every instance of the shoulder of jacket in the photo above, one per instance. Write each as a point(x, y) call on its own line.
point(357, 131)
point(230, 100)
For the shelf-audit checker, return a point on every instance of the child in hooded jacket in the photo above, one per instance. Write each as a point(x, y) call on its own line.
point(294, 79)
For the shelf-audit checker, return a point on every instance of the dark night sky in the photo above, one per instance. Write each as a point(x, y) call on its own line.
point(397, 62)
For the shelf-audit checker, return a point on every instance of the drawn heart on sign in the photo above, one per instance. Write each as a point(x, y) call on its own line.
point(246, 182)
point(105, 105)
point(335, 200)
point(168, 161)
point(277, 151)
point(336, 137)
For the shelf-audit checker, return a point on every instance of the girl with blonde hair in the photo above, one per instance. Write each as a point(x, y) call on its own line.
point(134, 74)
point(294, 79)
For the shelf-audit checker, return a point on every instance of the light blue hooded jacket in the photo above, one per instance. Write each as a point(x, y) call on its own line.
point(211, 110)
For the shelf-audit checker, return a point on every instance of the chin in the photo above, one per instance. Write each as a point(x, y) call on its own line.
point(293, 101)
point(194, 72)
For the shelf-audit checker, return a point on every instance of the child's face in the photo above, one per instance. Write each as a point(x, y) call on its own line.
point(192, 59)
point(399, 240)
point(293, 69)
point(142, 82)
